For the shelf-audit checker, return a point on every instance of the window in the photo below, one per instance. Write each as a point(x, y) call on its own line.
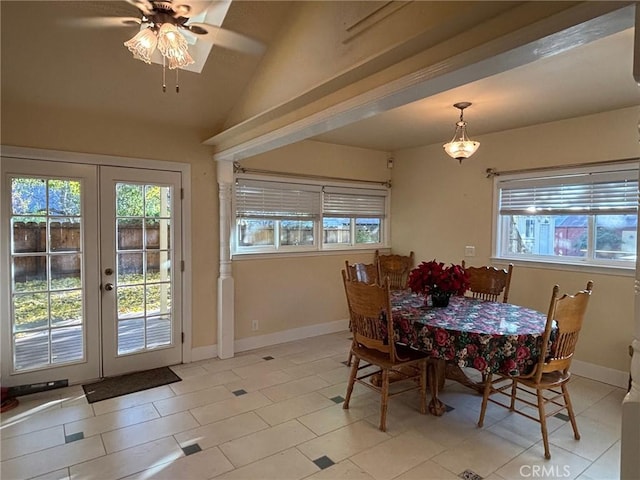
point(352, 216)
point(579, 217)
point(276, 216)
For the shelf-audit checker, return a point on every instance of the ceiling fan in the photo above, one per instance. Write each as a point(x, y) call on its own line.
point(166, 29)
point(169, 26)
point(181, 14)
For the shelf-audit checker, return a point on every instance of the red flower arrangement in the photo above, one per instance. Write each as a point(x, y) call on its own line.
point(433, 277)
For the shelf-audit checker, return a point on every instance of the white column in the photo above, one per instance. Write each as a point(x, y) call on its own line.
point(630, 436)
point(226, 319)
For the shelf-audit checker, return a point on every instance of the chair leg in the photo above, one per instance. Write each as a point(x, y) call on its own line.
point(384, 400)
point(514, 391)
point(543, 424)
point(352, 381)
point(349, 358)
point(485, 398)
point(572, 417)
point(423, 387)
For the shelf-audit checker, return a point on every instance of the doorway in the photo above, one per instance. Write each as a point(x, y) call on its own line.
point(91, 270)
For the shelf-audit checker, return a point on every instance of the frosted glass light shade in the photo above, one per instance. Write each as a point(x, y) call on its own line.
point(460, 147)
point(142, 45)
point(173, 46)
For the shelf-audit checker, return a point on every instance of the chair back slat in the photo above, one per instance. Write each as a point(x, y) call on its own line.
point(362, 272)
point(566, 314)
point(396, 268)
point(489, 283)
point(370, 315)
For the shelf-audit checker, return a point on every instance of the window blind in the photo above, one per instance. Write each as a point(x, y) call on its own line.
point(353, 203)
point(591, 193)
point(275, 200)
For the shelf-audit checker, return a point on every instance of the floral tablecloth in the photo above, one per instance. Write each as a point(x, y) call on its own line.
point(488, 336)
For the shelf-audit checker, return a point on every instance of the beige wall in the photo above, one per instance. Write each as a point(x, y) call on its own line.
point(58, 129)
point(439, 207)
point(287, 292)
point(429, 191)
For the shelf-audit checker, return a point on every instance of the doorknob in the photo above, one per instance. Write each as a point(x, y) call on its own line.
point(108, 287)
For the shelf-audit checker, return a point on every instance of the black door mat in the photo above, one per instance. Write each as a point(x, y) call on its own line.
point(129, 383)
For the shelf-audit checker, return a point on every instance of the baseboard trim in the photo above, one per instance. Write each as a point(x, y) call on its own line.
point(251, 343)
point(204, 353)
point(610, 376)
point(591, 371)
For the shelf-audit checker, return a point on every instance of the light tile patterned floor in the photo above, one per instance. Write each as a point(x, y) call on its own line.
point(276, 413)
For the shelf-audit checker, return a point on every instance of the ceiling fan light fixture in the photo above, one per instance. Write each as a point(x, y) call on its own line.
point(143, 44)
point(173, 46)
point(461, 147)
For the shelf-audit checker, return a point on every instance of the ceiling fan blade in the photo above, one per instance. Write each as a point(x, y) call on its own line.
point(191, 8)
point(226, 38)
point(104, 22)
point(145, 6)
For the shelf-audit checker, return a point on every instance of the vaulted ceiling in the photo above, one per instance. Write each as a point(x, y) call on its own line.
point(49, 59)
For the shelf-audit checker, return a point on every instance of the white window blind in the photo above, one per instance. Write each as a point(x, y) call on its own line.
point(591, 193)
point(275, 200)
point(353, 203)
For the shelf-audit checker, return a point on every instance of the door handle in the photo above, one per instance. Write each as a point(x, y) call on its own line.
point(108, 287)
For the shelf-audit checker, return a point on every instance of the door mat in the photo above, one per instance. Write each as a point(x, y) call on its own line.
point(129, 383)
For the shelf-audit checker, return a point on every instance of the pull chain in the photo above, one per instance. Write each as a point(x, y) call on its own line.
point(164, 76)
point(177, 84)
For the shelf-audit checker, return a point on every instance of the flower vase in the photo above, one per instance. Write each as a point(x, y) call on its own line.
point(440, 299)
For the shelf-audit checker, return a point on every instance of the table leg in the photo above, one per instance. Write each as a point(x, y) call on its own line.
point(435, 373)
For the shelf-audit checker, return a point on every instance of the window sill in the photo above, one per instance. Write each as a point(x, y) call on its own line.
point(309, 253)
point(565, 266)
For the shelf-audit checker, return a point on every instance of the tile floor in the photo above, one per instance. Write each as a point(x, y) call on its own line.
point(276, 413)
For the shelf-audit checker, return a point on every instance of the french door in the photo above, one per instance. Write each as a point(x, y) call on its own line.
point(88, 283)
point(140, 216)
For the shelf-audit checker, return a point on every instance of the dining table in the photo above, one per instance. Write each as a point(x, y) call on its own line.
point(491, 337)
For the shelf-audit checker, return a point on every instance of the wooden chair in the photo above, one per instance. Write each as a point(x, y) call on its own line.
point(396, 268)
point(360, 272)
point(488, 283)
point(372, 324)
point(551, 373)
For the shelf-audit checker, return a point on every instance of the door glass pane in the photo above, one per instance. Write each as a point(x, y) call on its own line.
point(130, 301)
point(64, 197)
point(66, 344)
point(31, 350)
point(47, 294)
point(65, 271)
point(158, 266)
point(64, 234)
point(131, 336)
point(29, 273)
point(129, 233)
point(28, 196)
point(158, 331)
point(143, 250)
point(130, 268)
point(29, 234)
point(66, 308)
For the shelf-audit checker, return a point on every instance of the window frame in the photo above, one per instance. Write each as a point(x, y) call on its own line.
point(318, 246)
point(590, 261)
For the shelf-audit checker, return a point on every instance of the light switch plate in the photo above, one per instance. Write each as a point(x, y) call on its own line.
point(469, 251)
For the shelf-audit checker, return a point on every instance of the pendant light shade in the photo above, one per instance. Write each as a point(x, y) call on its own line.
point(461, 147)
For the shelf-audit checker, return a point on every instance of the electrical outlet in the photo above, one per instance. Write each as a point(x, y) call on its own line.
point(254, 325)
point(469, 251)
